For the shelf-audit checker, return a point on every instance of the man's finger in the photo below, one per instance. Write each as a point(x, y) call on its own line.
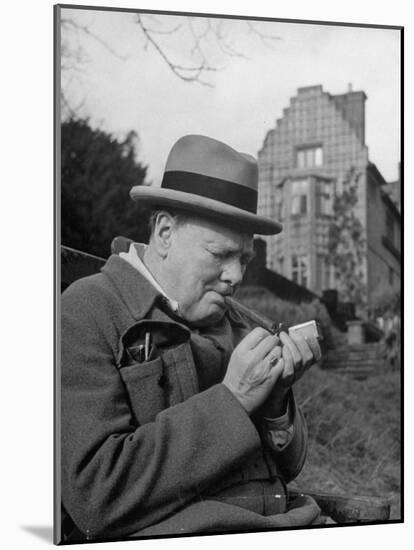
point(294, 352)
point(265, 346)
point(274, 355)
point(289, 369)
point(254, 337)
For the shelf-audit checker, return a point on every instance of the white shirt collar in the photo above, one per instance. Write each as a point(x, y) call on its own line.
point(134, 257)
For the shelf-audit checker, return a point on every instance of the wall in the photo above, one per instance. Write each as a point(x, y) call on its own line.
point(383, 255)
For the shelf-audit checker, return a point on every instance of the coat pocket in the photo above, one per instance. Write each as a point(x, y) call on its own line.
point(146, 390)
point(167, 379)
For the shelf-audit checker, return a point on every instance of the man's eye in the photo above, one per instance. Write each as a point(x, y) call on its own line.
point(218, 255)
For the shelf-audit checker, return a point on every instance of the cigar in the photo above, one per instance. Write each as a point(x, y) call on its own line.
point(256, 318)
point(308, 329)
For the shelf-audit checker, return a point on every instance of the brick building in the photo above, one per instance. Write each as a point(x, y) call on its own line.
point(302, 165)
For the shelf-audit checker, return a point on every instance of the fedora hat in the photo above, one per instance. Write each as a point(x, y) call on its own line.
point(206, 176)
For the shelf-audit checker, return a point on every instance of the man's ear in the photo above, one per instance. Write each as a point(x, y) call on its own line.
point(163, 231)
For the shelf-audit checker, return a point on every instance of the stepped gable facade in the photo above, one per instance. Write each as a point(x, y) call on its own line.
point(302, 165)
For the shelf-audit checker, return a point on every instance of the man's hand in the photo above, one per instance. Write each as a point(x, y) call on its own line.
point(254, 368)
point(298, 355)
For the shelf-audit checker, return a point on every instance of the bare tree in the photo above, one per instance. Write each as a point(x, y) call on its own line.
point(203, 43)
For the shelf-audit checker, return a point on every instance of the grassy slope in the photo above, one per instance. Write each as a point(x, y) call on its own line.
point(354, 434)
point(354, 426)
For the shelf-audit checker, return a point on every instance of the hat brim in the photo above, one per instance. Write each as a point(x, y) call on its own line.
point(249, 222)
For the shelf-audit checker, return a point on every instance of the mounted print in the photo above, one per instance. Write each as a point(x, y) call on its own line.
point(228, 244)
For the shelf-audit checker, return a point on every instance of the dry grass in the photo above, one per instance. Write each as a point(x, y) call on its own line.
point(354, 426)
point(354, 434)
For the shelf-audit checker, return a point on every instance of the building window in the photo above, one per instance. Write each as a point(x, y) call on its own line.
point(323, 273)
point(299, 192)
point(389, 226)
point(299, 205)
point(279, 204)
point(327, 275)
point(299, 270)
point(324, 198)
point(309, 157)
point(280, 265)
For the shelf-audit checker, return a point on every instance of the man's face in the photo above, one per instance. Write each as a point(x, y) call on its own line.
point(205, 262)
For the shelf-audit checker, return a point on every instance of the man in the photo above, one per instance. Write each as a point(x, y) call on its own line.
point(177, 417)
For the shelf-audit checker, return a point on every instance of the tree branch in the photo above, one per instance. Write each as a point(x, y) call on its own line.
point(199, 36)
point(264, 37)
point(193, 72)
point(85, 29)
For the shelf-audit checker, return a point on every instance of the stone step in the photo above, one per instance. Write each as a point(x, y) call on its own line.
point(345, 365)
point(363, 348)
point(352, 358)
point(350, 362)
point(359, 355)
point(333, 359)
point(352, 366)
point(358, 374)
point(350, 351)
point(347, 370)
point(369, 345)
point(358, 361)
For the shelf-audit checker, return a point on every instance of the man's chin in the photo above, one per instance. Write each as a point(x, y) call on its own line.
point(214, 315)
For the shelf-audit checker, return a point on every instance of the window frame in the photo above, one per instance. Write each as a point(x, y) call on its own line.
point(307, 156)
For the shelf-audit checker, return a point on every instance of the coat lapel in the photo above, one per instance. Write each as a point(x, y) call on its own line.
point(136, 292)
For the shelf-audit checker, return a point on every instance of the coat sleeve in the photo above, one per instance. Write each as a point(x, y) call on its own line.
point(290, 458)
point(116, 478)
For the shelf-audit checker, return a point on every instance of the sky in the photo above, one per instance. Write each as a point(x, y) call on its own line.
point(134, 89)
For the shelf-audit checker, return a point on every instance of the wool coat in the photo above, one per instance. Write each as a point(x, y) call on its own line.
point(161, 446)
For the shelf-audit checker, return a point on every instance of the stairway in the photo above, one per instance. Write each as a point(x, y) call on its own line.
point(359, 361)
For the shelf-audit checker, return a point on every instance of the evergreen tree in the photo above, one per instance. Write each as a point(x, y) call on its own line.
point(98, 172)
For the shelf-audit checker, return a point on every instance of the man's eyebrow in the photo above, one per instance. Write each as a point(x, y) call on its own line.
point(247, 253)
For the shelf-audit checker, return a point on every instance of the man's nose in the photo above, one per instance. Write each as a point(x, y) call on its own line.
point(233, 273)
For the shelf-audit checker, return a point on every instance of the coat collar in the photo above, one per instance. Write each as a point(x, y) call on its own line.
point(138, 294)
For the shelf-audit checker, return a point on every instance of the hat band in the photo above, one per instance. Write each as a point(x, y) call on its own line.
point(225, 191)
